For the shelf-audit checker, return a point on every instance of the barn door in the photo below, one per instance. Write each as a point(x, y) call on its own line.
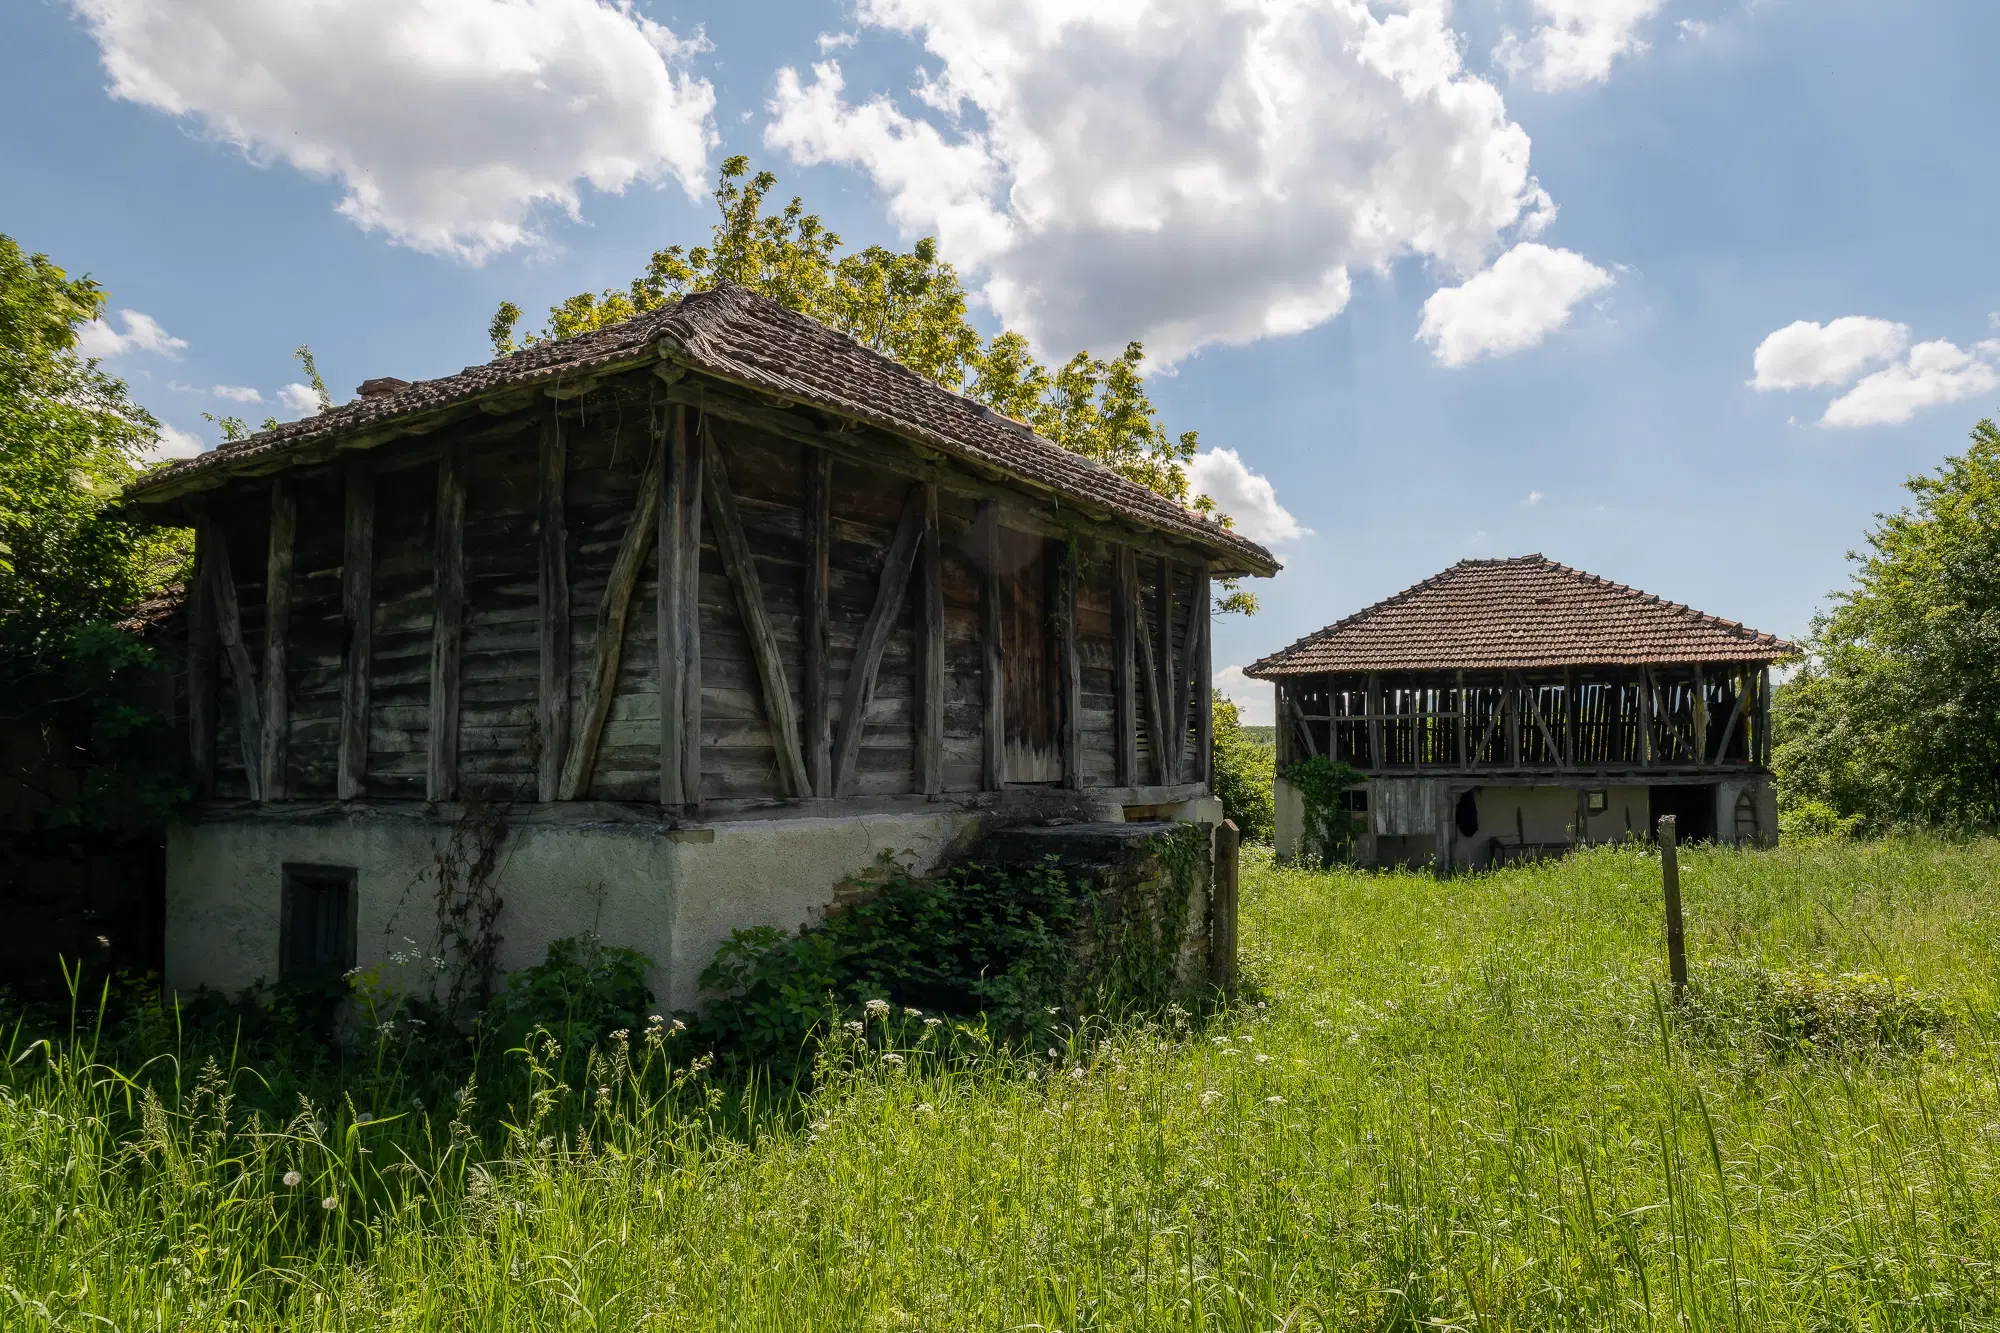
point(1028, 660)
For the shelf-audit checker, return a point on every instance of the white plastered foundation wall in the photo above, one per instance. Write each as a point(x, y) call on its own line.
point(673, 893)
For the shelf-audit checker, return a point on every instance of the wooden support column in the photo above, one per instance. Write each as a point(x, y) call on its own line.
point(1700, 711)
point(447, 625)
point(1201, 680)
point(552, 568)
point(1762, 754)
point(995, 727)
point(357, 610)
point(1464, 723)
point(1376, 758)
point(277, 637)
point(613, 611)
point(679, 617)
point(818, 555)
point(201, 664)
point(1511, 705)
point(875, 632)
point(1734, 719)
point(1171, 739)
point(221, 585)
point(1124, 664)
point(930, 651)
point(1572, 718)
point(1298, 717)
point(1069, 674)
point(1646, 717)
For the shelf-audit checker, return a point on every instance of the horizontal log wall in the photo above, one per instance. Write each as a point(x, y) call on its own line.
point(1126, 625)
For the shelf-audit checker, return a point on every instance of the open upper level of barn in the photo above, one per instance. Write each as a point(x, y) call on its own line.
point(1524, 666)
point(715, 558)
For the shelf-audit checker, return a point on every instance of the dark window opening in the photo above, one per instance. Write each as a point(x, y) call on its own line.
point(1693, 809)
point(1355, 799)
point(316, 920)
point(1597, 802)
point(1468, 815)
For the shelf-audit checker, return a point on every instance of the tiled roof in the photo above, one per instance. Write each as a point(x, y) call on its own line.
point(736, 335)
point(1520, 613)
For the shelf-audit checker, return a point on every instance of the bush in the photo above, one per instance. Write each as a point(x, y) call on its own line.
point(582, 991)
point(1814, 820)
point(1241, 778)
point(1788, 1013)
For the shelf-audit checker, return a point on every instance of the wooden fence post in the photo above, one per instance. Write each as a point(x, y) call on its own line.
point(1670, 878)
point(1222, 906)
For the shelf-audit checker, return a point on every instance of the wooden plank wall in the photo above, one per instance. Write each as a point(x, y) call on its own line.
point(606, 442)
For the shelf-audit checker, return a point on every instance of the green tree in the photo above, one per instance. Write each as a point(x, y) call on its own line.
point(911, 306)
point(1243, 769)
point(71, 562)
point(1895, 713)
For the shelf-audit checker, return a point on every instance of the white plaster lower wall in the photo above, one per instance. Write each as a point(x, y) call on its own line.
point(673, 896)
point(1290, 818)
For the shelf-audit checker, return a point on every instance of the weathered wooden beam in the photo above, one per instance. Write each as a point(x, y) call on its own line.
point(819, 620)
point(1510, 704)
point(357, 612)
point(221, 585)
point(1464, 758)
point(1304, 728)
point(1171, 740)
point(1735, 716)
point(679, 609)
point(1376, 758)
point(201, 663)
point(1156, 702)
point(930, 652)
point(1556, 753)
point(875, 632)
point(1572, 718)
point(552, 589)
point(277, 637)
point(1762, 754)
point(447, 625)
point(994, 725)
point(741, 567)
point(1699, 750)
point(1124, 662)
point(613, 613)
point(1646, 717)
point(1197, 689)
point(1069, 671)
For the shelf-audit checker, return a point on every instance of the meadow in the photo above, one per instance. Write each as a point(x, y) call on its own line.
point(1439, 1104)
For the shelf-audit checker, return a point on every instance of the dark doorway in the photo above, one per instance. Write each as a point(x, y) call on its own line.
point(1027, 662)
point(316, 920)
point(1693, 809)
point(1468, 814)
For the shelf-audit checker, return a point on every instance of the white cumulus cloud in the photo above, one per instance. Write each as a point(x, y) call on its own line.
point(1526, 295)
point(142, 334)
point(237, 393)
point(299, 399)
point(1805, 355)
point(1187, 172)
point(1243, 495)
point(172, 442)
point(1256, 703)
point(1933, 373)
point(1577, 41)
point(448, 123)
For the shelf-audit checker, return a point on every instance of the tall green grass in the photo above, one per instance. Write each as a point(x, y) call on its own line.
point(1459, 1104)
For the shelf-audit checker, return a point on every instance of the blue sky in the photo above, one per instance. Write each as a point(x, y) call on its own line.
point(1277, 196)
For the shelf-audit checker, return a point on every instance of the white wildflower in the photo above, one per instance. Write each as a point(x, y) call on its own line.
point(933, 1022)
point(876, 1008)
point(853, 1025)
point(1263, 1059)
point(329, 1203)
point(1076, 1072)
point(293, 1179)
point(912, 1013)
point(1274, 1101)
point(893, 1060)
point(1210, 1097)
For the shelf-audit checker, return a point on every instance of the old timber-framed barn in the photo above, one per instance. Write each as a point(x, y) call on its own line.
point(714, 606)
point(1509, 709)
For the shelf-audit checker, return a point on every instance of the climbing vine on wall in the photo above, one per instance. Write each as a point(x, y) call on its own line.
point(1327, 829)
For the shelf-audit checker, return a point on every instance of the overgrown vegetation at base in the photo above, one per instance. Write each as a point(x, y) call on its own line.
point(1457, 1104)
point(1243, 766)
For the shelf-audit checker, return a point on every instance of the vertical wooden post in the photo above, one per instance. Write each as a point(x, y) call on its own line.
point(994, 775)
point(202, 662)
point(818, 680)
point(1281, 735)
point(1511, 702)
point(930, 652)
point(447, 624)
point(1222, 906)
point(1202, 679)
point(679, 595)
point(277, 636)
point(1172, 738)
point(1700, 716)
point(357, 603)
point(1645, 717)
point(1572, 718)
point(552, 570)
point(1464, 724)
point(1376, 759)
point(1761, 756)
point(1069, 674)
point(1124, 661)
point(1670, 882)
point(236, 654)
